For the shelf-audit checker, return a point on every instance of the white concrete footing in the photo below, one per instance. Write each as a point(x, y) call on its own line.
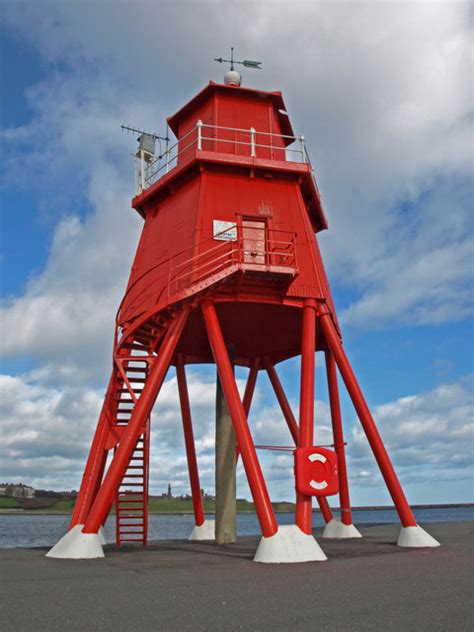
point(76, 545)
point(337, 530)
point(101, 535)
point(205, 531)
point(289, 544)
point(415, 537)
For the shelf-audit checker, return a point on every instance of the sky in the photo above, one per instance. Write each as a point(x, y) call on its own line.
point(382, 92)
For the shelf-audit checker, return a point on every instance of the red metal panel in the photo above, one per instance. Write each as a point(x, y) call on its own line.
point(278, 143)
point(167, 231)
point(273, 98)
point(231, 195)
point(188, 133)
point(243, 113)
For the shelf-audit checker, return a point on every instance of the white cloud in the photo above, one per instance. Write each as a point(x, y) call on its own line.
point(67, 312)
point(383, 98)
point(428, 436)
point(47, 432)
point(381, 92)
point(430, 287)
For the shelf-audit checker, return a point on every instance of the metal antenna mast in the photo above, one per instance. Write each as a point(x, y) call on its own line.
point(127, 128)
point(146, 152)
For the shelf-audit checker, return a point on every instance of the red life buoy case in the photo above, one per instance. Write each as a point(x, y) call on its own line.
point(316, 471)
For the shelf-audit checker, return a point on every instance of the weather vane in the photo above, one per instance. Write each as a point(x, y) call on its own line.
point(248, 63)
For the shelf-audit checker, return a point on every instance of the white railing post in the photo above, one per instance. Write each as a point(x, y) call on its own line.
point(167, 154)
point(199, 139)
point(135, 174)
point(252, 142)
point(303, 150)
point(142, 167)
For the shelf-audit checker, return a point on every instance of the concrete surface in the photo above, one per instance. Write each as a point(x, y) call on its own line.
point(367, 584)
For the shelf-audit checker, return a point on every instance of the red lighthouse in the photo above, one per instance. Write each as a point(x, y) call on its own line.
point(227, 271)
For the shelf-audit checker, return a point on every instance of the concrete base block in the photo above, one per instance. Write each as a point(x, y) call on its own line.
point(101, 535)
point(76, 545)
point(415, 537)
point(337, 530)
point(205, 531)
point(289, 544)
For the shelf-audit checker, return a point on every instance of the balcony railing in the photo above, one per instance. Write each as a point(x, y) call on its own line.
point(194, 269)
point(230, 140)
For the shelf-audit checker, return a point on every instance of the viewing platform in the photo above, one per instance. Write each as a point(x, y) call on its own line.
point(235, 147)
point(239, 254)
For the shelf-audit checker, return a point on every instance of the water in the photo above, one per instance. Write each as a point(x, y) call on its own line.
point(45, 530)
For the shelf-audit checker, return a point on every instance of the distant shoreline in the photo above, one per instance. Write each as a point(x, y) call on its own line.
point(187, 512)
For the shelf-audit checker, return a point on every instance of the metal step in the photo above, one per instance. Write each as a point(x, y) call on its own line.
point(131, 502)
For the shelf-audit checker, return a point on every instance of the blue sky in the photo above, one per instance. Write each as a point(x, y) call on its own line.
point(381, 92)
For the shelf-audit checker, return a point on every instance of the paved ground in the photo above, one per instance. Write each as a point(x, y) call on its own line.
point(367, 584)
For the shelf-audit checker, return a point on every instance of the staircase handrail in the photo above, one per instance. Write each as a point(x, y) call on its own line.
point(231, 248)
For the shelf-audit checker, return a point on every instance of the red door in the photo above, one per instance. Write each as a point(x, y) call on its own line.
point(253, 241)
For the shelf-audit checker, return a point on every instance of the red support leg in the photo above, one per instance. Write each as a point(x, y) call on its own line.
point(94, 469)
point(250, 387)
point(189, 442)
point(257, 485)
point(292, 426)
point(325, 508)
point(248, 396)
point(141, 412)
point(282, 400)
point(406, 515)
point(306, 429)
point(346, 514)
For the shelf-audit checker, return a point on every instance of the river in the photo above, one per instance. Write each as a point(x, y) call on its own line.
point(18, 530)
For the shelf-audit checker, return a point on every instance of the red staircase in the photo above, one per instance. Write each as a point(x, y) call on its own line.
point(132, 365)
point(131, 500)
point(131, 503)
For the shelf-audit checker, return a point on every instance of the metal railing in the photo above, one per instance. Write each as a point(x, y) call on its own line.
point(199, 266)
point(232, 140)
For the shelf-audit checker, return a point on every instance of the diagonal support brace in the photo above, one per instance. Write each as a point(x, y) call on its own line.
point(292, 426)
point(257, 485)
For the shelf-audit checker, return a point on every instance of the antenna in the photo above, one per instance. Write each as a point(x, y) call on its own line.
point(248, 63)
point(146, 153)
point(127, 128)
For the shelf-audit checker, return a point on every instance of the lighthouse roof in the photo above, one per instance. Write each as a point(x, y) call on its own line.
point(213, 88)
